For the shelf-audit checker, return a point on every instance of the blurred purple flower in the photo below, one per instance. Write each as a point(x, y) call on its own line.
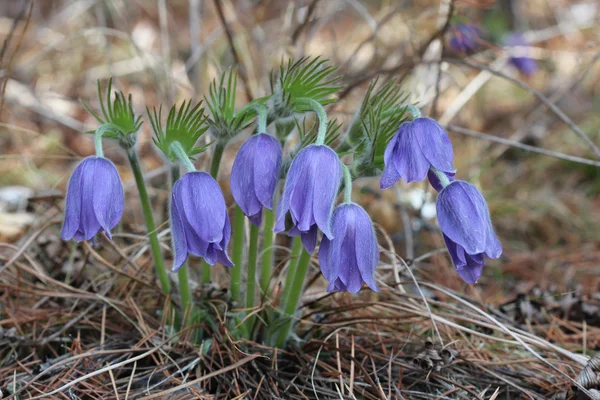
point(351, 258)
point(95, 200)
point(254, 175)
point(199, 221)
point(467, 227)
point(417, 145)
point(520, 55)
point(309, 194)
point(464, 37)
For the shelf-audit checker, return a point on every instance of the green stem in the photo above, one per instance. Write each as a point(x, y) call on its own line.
point(414, 111)
point(267, 253)
point(184, 282)
point(159, 262)
point(294, 296)
point(177, 148)
point(441, 176)
point(251, 285)
point(320, 111)
point(100, 131)
point(214, 172)
point(216, 160)
point(238, 253)
point(347, 185)
point(289, 278)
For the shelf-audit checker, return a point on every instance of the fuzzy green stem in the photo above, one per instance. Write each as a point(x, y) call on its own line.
point(320, 111)
point(267, 252)
point(184, 282)
point(177, 148)
point(347, 185)
point(100, 131)
point(159, 262)
point(294, 297)
point(414, 111)
point(289, 278)
point(441, 176)
point(216, 160)
point(251, 285)
point(237, 253)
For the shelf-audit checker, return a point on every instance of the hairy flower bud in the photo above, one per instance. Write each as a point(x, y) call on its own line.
point(199, 221)
point(352, 256)
point(254, 175)
point(468, 232)
point(310, 190)
point(95, 200)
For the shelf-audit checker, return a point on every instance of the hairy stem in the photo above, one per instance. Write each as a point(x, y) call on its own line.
point(294, 296)
point(267, 252)
point(159, 262)
point(177, 148)
point(320, 111)
point(251, 285)
point(238, 253)
point(347, 185)
point(291, 271)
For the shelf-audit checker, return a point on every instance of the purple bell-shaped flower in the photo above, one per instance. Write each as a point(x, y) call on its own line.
point(350, 259)
point(199, 221)
point(416, 146)
point(467, 227)
point(95, 200)
point(310, 190)
point(254, 175)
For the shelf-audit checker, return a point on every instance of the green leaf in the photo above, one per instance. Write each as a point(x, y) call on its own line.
point(377, 120)
point(309, 135)
point(184, 125)
point(305, 78)
point(224, 122)
point(117, 111)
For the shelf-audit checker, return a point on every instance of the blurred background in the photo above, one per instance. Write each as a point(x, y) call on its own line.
point(545, 208)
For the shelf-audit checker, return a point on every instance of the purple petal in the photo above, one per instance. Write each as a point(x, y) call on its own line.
point(267, 165)
point(256, 219)
point(367, 253)
point(326, 184)
point(407, 157)
point(88, 223)
point(470, 273)
point(434, 143)
point(73, 205)
point(178, 237)
point(107, 195)
point(242, 178)
point(309, 239)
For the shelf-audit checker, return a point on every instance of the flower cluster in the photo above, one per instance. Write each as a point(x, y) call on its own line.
point(465, 37)
point(422, 148)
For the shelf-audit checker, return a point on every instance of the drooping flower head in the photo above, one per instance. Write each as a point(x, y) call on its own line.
point(310, 190)
point(350, 259)
point(467, 227)
point(199, 221)
point(519, 57)
point(254, 175)
point(464, 37)
point(416, 146)
point(95, 200)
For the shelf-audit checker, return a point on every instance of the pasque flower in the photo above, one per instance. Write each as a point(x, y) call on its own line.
point(520, 55)
point(467, 227)
point(350, 259)
point(199, 221)
point(254, 175)
point(464, 37)
point(310, 190)
point(95, 200)
point(416, 146)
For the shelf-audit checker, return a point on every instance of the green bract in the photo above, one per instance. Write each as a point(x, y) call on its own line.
point(117, 115)
point(302, 79)
point(224, 122)
point(184, 125)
